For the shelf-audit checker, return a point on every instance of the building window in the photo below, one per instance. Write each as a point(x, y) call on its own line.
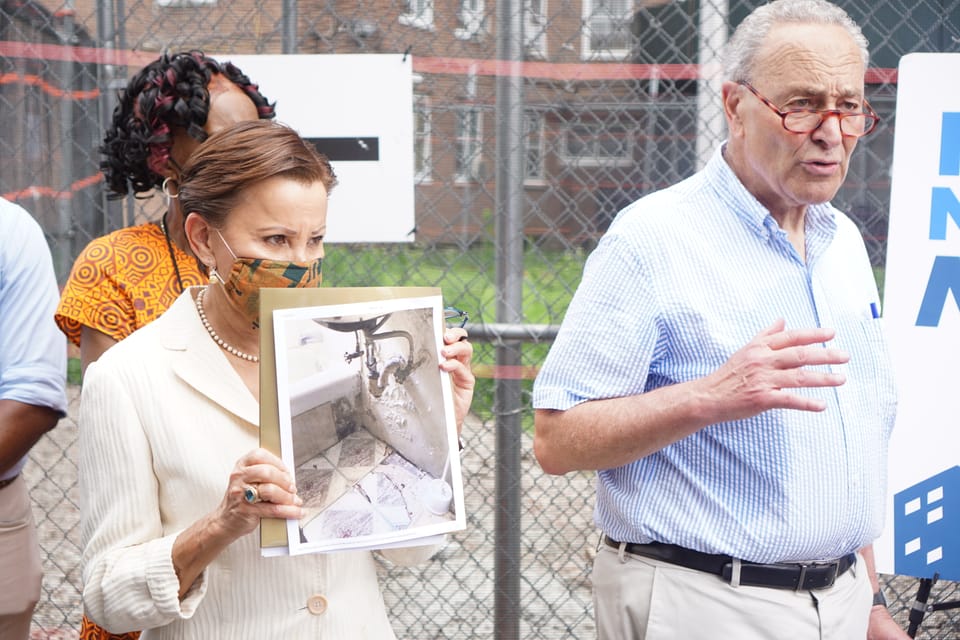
point(606, 33)
point(533, 147)
point(471, 20)
point(468, 145)
point(598, 144)
point(422, 129)
point(535, 27)
point(419, 14)
point(666, 32)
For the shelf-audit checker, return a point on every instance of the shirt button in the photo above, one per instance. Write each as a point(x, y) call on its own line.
point(317, 604)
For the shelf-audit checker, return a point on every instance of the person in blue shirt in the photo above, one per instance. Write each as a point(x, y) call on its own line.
point(721, 370)
point(33, 365)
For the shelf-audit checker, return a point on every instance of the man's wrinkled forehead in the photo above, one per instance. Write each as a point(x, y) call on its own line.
point(810, 54)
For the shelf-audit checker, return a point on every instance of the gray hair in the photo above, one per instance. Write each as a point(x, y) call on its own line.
point(741, 51)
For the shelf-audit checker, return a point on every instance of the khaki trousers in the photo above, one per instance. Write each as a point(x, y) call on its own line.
point(637, 597)
point(20, 570)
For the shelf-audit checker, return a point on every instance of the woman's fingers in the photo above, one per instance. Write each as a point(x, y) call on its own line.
point(260, 486)
point(276, 494)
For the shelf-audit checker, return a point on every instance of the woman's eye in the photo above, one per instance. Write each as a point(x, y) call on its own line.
point(277, 240)
point(316, 240)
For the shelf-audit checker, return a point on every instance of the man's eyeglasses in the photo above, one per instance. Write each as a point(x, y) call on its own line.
point(455, 317)
point(852, 124)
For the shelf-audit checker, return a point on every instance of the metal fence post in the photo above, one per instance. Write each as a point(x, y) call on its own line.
point(711, 125)
point(509, 276)
point(111, 81)
point(63, 249)
point(289, 26)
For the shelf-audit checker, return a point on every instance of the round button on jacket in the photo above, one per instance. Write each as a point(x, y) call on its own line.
point(317, 604)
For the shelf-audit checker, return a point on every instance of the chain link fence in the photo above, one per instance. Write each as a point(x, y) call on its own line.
point(519, 170)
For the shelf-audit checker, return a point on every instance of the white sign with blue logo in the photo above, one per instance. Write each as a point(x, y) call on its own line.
point(922, 316)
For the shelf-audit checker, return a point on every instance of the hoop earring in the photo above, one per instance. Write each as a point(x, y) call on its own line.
point(165, 189)
point(215, 276)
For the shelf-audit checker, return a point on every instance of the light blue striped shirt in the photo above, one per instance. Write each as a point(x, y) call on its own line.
point(33, 351)
point(683, 279)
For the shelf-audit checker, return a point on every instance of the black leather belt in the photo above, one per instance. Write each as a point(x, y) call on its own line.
point(8, 481)
point(802, 577)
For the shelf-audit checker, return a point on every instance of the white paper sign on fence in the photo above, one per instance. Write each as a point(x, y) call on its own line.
point(358, 110)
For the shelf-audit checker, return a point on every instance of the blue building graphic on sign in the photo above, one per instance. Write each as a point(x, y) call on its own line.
point(926, 527)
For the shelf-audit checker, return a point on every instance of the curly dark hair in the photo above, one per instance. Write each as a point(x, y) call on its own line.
point(169, 92)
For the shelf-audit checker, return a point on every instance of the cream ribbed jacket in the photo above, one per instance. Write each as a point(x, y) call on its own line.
point(163, 420)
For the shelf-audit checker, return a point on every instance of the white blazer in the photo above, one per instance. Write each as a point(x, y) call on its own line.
point(163, 419)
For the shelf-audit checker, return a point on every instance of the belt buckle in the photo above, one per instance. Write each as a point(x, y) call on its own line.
point(829, 580)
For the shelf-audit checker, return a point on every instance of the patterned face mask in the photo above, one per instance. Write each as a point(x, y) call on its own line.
point(249, 275)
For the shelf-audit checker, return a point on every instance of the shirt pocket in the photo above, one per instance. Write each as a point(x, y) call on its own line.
point(885, 386)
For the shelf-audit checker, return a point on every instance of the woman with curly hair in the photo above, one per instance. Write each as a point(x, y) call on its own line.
point(126, 279)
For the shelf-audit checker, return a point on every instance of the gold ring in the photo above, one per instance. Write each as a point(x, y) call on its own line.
point(250, 494)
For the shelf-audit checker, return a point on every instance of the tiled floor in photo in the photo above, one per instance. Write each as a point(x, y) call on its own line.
point(361, 486)
point(326, 477)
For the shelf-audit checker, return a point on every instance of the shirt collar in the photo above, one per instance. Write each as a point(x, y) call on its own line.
point(820, 220)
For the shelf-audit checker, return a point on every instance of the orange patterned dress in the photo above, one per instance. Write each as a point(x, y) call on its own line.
point(121, 282)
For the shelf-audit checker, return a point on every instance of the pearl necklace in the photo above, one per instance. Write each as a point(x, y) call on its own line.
point(213, 334)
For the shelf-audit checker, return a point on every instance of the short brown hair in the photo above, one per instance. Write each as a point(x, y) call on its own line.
point(242, 155)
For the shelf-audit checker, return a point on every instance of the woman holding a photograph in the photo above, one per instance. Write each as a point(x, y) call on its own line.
point(173, 484)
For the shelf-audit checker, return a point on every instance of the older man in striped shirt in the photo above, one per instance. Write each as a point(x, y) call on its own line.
point(723, 369)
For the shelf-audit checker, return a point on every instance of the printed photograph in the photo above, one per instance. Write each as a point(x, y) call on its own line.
point(366, 424)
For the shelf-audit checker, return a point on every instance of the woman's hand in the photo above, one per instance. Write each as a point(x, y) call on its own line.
point(276, 497)
point(265, 475)
point(458, 351)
